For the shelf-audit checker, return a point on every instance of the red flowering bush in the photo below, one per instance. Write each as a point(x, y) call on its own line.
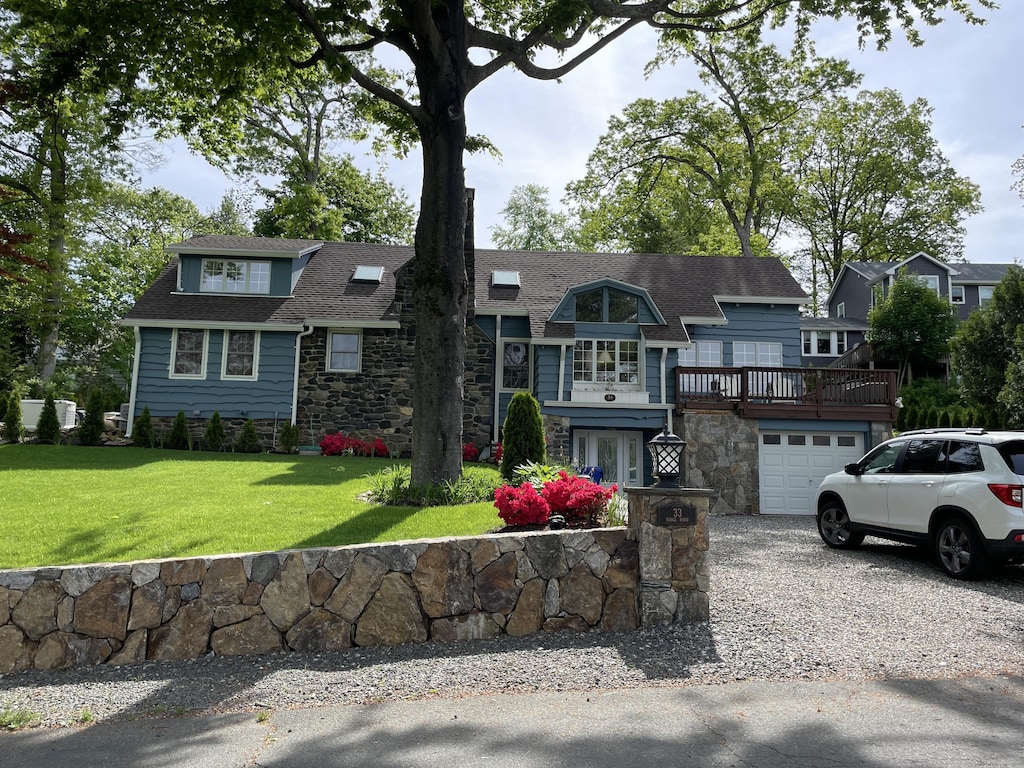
point(340, 445)
point(579, 500)
point(470, 452)
point(521, 505)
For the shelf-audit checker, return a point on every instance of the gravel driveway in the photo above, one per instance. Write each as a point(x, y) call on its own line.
point(783, 607)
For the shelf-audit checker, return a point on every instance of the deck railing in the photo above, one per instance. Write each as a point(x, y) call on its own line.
point(822, 392)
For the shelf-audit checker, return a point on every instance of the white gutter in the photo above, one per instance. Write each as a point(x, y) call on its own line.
point(295, 377)
point(561, 372)
point(664, 375)
point(133, 392)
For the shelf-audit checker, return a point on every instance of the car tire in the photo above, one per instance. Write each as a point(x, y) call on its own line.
point(959, 550)
point(835, 528)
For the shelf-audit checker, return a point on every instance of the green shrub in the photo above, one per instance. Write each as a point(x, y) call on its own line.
point(180, 439)
point(288, 440)
point(142, 429)
point(390, 487)
point(215, 433)
point(522, 434)
point(91, 429)
point(248, 440)
point(13, 428)
point(48, 428)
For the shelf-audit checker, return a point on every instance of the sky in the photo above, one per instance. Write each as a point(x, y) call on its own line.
point(545, 131)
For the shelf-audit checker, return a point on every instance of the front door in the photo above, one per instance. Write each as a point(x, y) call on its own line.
point(618, 454)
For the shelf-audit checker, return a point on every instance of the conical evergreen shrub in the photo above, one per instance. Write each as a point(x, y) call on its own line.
point(142, 430)
point(248, 440)
point(48, 427)
point(215, 432)
point(13, 427)
point(91, 429)
point(179, 439)
point(522, 434)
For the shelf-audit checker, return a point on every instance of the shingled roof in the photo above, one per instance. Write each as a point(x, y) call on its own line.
point(684, 288)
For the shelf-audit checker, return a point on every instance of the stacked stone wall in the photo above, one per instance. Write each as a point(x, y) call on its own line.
point(319, 599)
point(267, 430)
point(721, 453)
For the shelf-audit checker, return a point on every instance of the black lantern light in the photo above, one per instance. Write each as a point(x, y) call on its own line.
point(667, 454)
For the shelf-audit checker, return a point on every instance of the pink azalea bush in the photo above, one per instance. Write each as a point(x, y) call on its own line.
point(470, 452)
point(579, 500)
point(340, 445)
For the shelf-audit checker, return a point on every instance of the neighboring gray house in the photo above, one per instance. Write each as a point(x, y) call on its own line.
point(860, 284)
point(613, 346)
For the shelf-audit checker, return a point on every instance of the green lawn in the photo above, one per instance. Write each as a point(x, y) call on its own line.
point(61, 505)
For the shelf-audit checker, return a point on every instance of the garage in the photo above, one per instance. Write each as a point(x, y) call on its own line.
point(793, 464)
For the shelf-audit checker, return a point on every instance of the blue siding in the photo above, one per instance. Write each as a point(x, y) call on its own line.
point(756, 322)
point(270, 395)
point(545, 372)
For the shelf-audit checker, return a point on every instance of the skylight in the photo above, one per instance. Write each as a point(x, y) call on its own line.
point(505, 278)
point(368, 275)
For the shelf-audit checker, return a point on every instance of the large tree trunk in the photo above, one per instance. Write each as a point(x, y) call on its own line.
point(56, 257)
point(440, 284)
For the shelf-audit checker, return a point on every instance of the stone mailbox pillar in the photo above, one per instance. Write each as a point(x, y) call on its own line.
point(671, 528)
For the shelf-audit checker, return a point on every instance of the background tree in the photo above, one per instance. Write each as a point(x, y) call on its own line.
point(985, 352)
point(913, 324)
point(531, 224)
point(729, 144)
point(250, 48)
point(871, 183)
point(343, 203)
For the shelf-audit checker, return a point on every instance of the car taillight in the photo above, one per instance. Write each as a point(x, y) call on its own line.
point(1010, 495)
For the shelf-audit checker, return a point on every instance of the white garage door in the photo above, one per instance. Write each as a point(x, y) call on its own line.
point(793, 464)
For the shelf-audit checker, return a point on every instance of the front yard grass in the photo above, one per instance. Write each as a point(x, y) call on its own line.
point(63, 505)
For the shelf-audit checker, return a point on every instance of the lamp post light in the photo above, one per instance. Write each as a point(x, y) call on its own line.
point(667, 454)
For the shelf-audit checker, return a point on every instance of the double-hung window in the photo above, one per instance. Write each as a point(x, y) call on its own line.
point(241, 353)
point(756, 354)
point(606, 361)
point(188, 354)
point(343, 350)
point(703, 354)
point(227, 276)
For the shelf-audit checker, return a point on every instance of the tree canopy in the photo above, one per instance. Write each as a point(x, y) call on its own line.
point(913, 324)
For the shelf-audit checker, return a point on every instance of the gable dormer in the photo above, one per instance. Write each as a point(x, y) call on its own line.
point(607, 301)
point(241, 266)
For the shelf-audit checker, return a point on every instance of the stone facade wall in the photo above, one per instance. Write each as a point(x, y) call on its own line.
point(556, 438)
point(721, 453)
point(267, 430)
point(319, 599)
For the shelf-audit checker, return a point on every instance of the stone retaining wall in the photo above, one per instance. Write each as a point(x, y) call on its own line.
point(319, 599)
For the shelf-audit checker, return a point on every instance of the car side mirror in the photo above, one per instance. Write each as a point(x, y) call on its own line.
point(853, 468)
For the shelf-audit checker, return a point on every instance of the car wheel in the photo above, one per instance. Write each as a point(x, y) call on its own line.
point(835, 527)
point(959, 550)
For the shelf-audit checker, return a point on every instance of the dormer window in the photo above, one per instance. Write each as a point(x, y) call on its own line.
point(229, 276)
point(606, 305)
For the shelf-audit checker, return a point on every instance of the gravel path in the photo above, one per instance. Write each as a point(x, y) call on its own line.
point(783, 607)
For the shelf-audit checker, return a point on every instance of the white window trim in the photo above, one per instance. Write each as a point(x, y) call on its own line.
point(359, 350)
point(982, 302)
point(611, 386)
point(757, 345)
point(501, 364)
point(174, 354)
point(952, 294)
point(248, 274)
point(841, 309)
point(696, 349)
point(255, 356)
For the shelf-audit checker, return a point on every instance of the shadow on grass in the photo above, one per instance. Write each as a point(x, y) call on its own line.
point(364, 527)
point(325, 470)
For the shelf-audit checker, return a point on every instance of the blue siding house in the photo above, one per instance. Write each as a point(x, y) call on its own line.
point(614, 346)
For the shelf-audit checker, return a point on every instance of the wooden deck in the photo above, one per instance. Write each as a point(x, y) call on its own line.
point(782, 393)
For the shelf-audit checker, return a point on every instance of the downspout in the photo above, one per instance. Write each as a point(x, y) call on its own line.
point(664, 386)
point(498, 360)
point(295, 378)
point(561, 372)
point(133, 392)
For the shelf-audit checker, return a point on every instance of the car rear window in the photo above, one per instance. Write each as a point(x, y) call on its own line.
point(963, 457)
point(1013, 454)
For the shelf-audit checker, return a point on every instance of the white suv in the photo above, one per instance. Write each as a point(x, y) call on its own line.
point(957, 491)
